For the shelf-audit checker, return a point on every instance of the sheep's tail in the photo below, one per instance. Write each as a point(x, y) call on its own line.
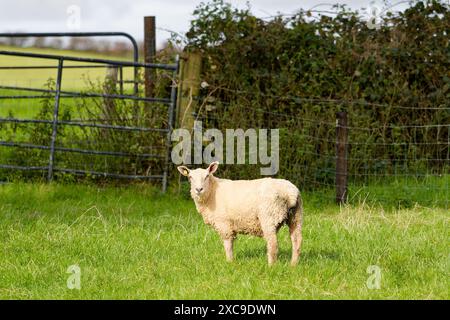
point(296, 210)
point(293, 196)
point(294, 202)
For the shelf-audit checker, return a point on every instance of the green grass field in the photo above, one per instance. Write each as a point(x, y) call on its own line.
point(134, 243)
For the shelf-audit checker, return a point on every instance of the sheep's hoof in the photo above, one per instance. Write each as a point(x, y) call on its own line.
point(294, 260)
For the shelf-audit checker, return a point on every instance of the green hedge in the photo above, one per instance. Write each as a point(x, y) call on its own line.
point(296, 72)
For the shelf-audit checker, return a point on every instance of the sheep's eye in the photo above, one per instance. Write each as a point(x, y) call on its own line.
point(207, 176)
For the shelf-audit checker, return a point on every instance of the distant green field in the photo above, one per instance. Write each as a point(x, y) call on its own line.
point(73, 79)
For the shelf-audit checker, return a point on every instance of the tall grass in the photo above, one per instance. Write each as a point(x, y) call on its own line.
point(133, 242)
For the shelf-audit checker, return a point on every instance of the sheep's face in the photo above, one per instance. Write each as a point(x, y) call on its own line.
point(200, 179)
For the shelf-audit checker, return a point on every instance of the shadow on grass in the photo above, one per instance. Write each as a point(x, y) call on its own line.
point(284, 255)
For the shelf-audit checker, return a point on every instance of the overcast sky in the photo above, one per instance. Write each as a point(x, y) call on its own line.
point(127, 15)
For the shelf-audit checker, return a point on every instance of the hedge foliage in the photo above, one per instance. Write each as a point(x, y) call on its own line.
point(296, 72)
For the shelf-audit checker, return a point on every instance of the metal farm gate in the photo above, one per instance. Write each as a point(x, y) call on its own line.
point(127, 136)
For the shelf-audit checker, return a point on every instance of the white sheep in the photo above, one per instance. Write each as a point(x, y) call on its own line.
point(256, 207)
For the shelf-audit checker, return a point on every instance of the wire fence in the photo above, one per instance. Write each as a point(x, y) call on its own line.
point(391, 158)
point(394, 153)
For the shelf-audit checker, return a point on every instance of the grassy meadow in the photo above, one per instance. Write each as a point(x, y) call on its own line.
point(135, 243)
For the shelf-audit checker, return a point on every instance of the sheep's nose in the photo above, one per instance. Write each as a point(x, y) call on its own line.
point(198, 190)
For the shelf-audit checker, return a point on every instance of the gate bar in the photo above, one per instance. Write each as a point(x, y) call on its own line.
point(66, 94)
point(93, 60)
point(83, 151)
point(80, 124)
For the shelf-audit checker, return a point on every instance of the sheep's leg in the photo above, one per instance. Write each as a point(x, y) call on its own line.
point(228, 244)
point(296, 239)
point(295, 230)
point(272, 246)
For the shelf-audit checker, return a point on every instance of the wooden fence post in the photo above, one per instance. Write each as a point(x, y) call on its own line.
point(341, 157)
point(110, 88)
point(149, 53)
point(149, 57)
point(190, 66)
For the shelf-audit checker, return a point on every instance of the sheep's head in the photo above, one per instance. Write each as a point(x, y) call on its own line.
point(200, 179)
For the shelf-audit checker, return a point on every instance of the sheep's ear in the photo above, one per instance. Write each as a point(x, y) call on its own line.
point(213, 167)
point(183, 170)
